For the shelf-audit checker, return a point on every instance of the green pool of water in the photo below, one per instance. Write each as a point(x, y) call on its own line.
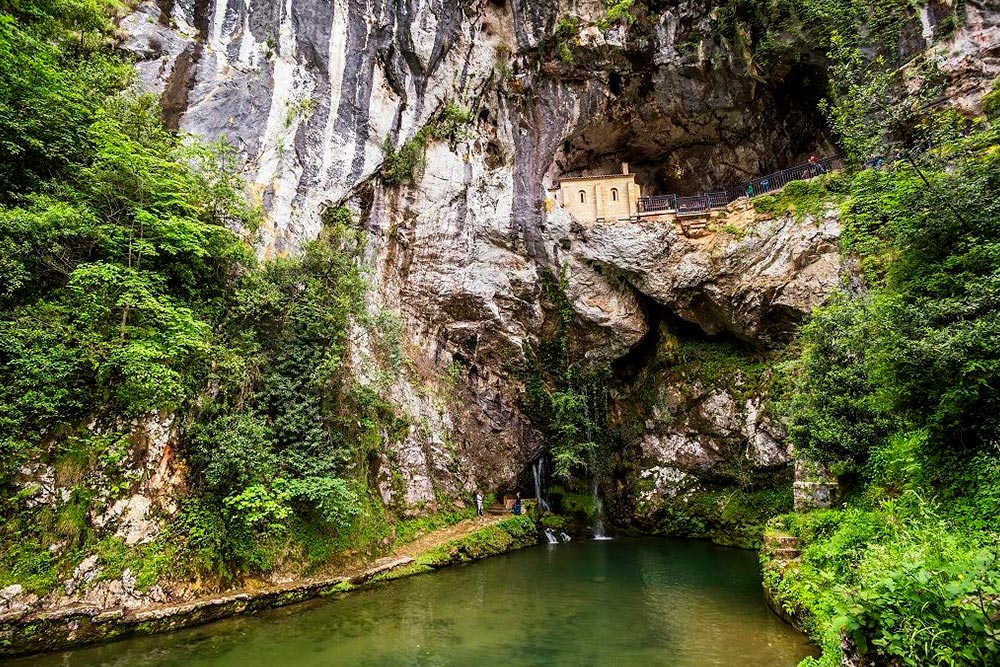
point(642, 602)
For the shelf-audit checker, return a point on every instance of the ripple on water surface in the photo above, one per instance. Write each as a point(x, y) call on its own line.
point(643, 602)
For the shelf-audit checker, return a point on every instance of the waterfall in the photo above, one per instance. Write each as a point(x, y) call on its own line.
point(538, 469)
point(599, 533)
point(564, 537)
point(597, 399)
point(550, 536)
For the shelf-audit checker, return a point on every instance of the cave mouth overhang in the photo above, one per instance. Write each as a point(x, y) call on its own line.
point(699, 139)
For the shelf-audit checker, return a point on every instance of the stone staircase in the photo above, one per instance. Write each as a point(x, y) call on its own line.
point(781, 551)
point(782, 548)
point(693, 224)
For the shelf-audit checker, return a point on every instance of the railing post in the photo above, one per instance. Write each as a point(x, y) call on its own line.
point(761, 185)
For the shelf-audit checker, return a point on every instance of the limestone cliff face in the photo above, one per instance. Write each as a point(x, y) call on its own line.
point(311, 92)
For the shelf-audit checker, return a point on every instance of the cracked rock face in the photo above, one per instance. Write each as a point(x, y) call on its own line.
point(310, 92)
point(695, 433)
point(758, 280)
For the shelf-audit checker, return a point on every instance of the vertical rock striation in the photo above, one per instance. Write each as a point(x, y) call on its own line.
point(312, 92)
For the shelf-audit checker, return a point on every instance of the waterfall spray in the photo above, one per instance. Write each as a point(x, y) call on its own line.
point(538, 469)
point(599, 533)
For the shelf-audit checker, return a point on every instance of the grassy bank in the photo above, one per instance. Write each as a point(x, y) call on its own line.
point(33, 633)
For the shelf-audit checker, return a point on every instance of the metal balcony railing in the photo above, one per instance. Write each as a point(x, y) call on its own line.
point(754, 188)
point(657, 203)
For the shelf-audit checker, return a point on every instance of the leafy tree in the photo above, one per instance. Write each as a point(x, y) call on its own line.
point(55, 73)
point(837, 412)
point(116, 276)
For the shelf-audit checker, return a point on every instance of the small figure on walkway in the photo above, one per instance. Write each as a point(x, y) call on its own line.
point(815, 168)
point(516, 510)
point(765, 185)
point(479, 502)
point(749, 190)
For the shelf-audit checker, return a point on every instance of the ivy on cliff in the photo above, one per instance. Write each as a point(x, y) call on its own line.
point(566, 400)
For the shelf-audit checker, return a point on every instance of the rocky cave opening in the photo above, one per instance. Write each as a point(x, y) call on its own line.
point(661, 320)
point(688, 136)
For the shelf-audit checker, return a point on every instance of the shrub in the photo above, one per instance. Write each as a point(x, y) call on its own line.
point(405, 165)
point(453, 119)
point(617, 12)
point(991, 102)
point(928, 601)
point(836, 411)
point(567, 35)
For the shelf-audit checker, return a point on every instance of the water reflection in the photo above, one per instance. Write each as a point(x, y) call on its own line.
point(648, 603)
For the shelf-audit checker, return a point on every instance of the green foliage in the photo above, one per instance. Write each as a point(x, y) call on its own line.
point(146, 562)
point(566, 400)
point(932, 607)
point(896, 383)
point(804, 199)
point(900, 581)
point(894, 464)
point(509, 534)
point(125, 292)
point(567, 28)
point(862, 113)
point(616, 12)
point(721, 364)
point(26, 562)
point(922, 346)
point(836, 410)
point(453, 119)
point(55, 74)
point(406, 164)
point(991, 102)
point(778, 30)
point(940, 348)
point(578, 504)
point(502, 59)
point(727, 515)
point(299, 109)
point(283, 444)
point(567, 36)
point(117, 277)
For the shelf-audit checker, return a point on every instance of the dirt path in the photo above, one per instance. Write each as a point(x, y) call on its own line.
point(436, 538)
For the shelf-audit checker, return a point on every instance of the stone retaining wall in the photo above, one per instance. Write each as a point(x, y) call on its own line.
point(24, 633)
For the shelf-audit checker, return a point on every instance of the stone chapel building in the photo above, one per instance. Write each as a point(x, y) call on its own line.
point(606, 197)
